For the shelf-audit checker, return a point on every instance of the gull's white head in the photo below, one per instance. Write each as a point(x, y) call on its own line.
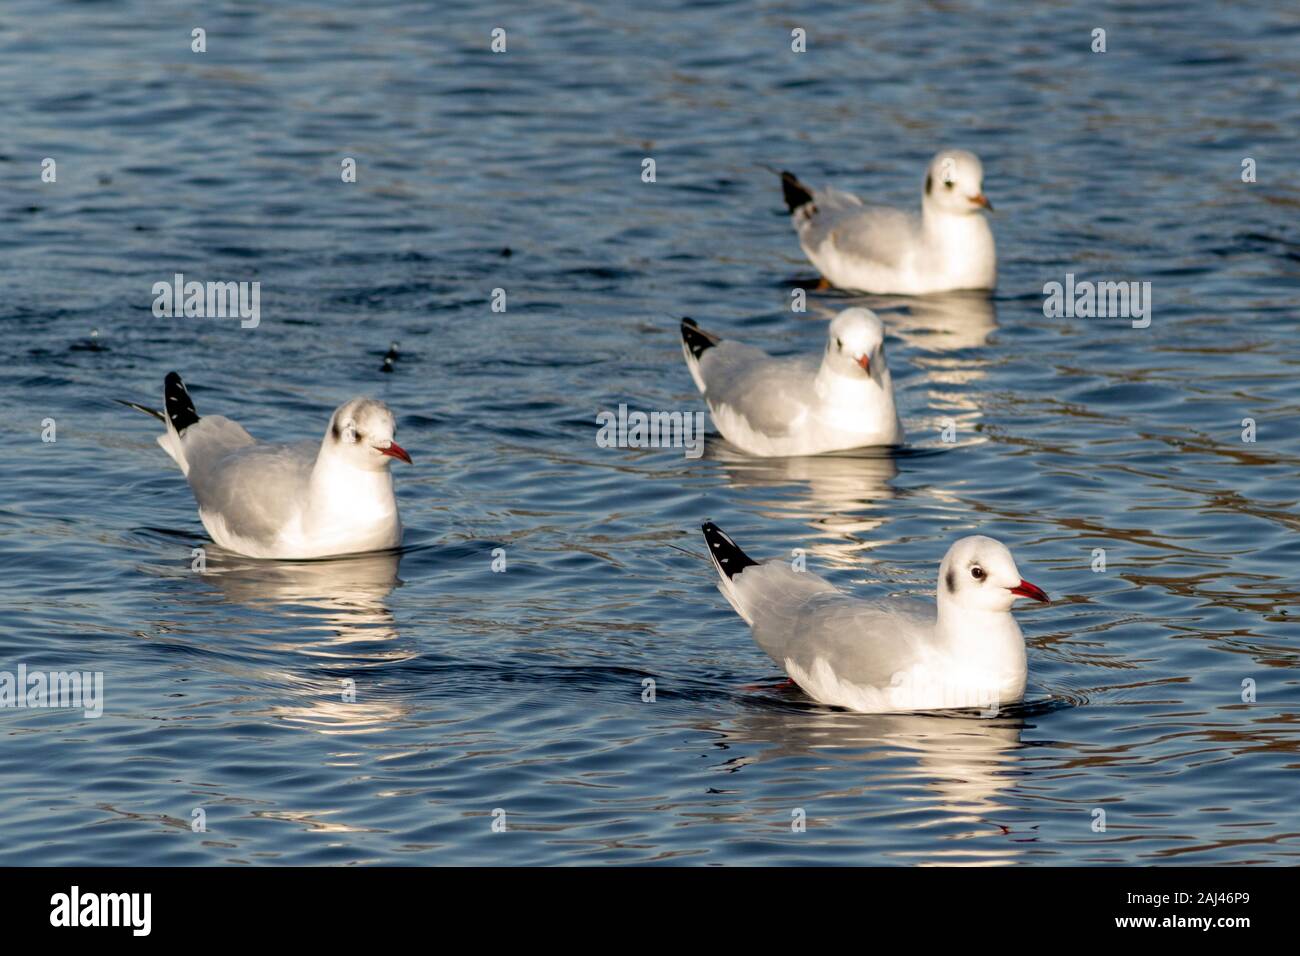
point(954, 184)
point(855, 344)
point(361, 432)
point(979, 574)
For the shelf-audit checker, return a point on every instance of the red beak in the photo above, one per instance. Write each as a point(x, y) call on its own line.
point(980, 199)
point(865, 362)
point(394, 450)
point(1025, 589)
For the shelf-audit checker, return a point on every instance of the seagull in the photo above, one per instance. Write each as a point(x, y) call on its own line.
point(769, 406)
point(882, 250)
point(894, 655)
point(285, 501)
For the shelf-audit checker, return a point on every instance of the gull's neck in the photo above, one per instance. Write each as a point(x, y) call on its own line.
point(856, 403)
point(953, 233)
point(987, 646)
point(340, 491)
point(960, 247)
point(937, 224)
point(835, 388)
point(965, 627)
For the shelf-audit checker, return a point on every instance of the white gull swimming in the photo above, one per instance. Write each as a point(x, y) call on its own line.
point(306, 500)
point(894, 655)
point(770, 406)
point(884, 250)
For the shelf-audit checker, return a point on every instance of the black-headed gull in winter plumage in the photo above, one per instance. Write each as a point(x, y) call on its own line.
point(308, 500)
point(799, 406)
point(884, 250)
point(894, 655)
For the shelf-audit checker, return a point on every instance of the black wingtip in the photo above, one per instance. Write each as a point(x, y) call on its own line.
point(796, 193)
point(180, 407)
point(726, 553)
point(696, 339)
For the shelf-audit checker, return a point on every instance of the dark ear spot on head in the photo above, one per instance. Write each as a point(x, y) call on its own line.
point(338, 433)
point(929, 181)
point(951, 580)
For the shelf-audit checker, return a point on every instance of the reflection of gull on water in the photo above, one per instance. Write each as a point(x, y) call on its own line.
point(341, 605)
point(939, 323)
point(841, 497)
point(345, 595)
point(951, 770)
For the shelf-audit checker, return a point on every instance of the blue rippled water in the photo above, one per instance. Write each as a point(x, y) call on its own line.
point(522, 692)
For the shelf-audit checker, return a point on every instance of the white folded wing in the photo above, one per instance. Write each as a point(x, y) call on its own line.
point(840, 235)
point(251, 490)
point(750, 392)
point(822, 636)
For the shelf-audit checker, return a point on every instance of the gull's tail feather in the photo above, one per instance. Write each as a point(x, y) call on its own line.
point(180, 416)
point(797, 195)
point(696, 339)
point(769, 596)
point(695, 342)
point(726, 554)
point(143, 408)
point(180, 407)
point(729, 561)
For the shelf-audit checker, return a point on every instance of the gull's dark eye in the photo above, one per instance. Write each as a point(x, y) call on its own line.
point(839, 345)
point(949, 172)
point(977, 573)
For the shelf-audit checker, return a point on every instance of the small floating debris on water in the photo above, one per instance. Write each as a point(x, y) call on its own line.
point(507, 252)
point(92, 344)
point(390, 358)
